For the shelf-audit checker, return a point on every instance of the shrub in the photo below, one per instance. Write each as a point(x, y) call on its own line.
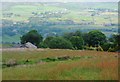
point(106, 46)
point(47, 40)
point(77, 42)
point(60, 43)
point(43, 45)
point(99, 48)
point(91, 48)
point(111, 50)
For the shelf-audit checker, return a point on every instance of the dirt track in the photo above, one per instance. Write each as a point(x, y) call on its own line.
point(24, 49)
point(18, 49)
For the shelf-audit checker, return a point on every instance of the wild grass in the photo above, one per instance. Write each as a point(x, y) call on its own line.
point(101, 65)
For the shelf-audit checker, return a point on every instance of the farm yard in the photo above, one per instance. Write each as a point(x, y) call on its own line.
point(59, 64)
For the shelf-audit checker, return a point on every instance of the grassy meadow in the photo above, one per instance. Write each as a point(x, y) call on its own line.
point(85, 65)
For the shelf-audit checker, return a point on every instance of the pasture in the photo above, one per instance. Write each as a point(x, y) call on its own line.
point(18, 18)
point(78, 13)
point(81, 65)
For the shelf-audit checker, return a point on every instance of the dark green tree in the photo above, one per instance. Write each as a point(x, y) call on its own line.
point(32, 36)
point(60, 43)
point(78, 33)
point(43, 45)
point(85, 38)
point(47, 40)
point(96, 38)
point(106, 46)
point(77, 42)
point(69, 35)
point(115, 40)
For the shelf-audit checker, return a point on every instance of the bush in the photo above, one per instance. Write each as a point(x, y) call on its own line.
point(111, 50)
point(99, 48)
point(90, 48)
point(42, 45)
point(77, 42)
point(106, 46)
point(69, 35)
point(115, 39)
point(60, 43)
point(47, 40)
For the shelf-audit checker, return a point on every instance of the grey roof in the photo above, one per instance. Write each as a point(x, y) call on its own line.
point(30, 45)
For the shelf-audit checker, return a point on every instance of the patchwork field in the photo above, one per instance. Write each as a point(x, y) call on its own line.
point(48, 64)
point(79, 12)
point(59, 18)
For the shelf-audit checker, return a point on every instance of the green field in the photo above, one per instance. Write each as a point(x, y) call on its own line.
point(18, 18)
point(77, 12)
point(82, 65)
point(15, 38)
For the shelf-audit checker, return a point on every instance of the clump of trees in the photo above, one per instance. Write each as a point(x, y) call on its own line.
point(93, 40)
point(59, 42)
point(114, 42)
point(32, 36)
point(77, 42)
point(56, 43)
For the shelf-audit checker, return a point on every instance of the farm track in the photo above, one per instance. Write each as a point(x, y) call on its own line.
point(19, 49)
point(13, 49)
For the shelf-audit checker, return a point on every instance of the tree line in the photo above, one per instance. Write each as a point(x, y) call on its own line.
point(93, 40)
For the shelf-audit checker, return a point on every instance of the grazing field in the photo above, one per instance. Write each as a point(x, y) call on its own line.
point(57, 18)
point(45, 64)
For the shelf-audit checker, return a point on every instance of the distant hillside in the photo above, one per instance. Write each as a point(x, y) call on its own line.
point(57, 18)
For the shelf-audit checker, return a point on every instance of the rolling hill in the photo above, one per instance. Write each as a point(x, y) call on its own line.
point(58, 18)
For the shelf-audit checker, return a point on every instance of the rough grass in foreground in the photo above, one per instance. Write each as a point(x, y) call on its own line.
point(101, 65)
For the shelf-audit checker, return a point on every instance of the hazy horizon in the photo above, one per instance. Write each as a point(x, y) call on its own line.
point(60, 1)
